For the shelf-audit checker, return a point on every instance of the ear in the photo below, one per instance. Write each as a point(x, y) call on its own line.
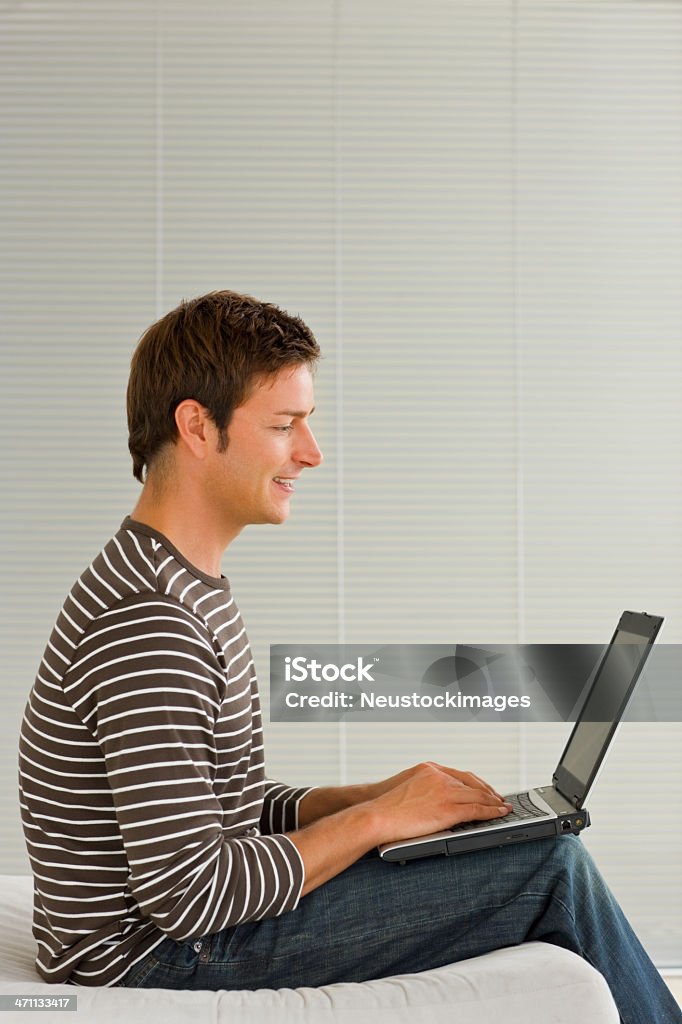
point(195, 427)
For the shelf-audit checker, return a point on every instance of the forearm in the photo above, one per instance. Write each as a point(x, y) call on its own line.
point(337, 826)
point(336, 840)
point(330, 799)
point(319, 803)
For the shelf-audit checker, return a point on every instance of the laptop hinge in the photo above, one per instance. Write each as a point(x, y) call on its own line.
point(575, 799)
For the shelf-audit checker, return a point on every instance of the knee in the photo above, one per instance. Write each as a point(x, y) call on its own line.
point(573, 852)
point(578, 868)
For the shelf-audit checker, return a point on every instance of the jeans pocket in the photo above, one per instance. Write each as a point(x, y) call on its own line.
point(138, 975)
point(231, 944)
point(171, 965)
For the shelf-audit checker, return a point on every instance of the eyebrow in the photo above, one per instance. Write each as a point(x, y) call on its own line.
point(294, 413)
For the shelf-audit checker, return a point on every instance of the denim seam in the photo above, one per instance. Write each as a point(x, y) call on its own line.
point(138, 979)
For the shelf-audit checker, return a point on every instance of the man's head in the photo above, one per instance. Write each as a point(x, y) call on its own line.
point(215, 349)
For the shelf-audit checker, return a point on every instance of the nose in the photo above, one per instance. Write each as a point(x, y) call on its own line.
point(308, 453)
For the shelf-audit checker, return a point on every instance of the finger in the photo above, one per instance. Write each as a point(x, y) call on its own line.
point(468, 778)
point(481, 812)
point(473, 795)
point(486, 785)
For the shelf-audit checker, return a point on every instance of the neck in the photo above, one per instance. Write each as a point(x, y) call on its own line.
point(179, 517)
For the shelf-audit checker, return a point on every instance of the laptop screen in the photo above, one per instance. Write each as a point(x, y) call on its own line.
point(605, 704)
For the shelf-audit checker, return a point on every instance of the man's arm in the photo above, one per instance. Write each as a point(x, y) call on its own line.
point(281, 805)
point(325, 800)
point(339, 825)
point(195, 864)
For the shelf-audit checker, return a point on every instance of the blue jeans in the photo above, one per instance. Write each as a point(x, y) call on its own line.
point(378, 919)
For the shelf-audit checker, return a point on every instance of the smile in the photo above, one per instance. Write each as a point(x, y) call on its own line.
point(284, 482)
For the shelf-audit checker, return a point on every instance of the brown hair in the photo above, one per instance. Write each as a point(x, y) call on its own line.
point(212, 349)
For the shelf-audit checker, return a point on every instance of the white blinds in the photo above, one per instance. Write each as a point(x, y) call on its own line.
point(478, 208)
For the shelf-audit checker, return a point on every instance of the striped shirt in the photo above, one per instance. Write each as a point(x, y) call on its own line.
point(144, 801)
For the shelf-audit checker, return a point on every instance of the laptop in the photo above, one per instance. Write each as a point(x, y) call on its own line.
point(560, 807)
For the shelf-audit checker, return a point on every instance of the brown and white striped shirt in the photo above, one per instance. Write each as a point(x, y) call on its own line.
point(144, 801)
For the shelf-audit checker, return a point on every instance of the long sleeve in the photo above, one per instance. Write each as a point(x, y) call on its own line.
point(174, 722)
point(141, 779)
point(280, 807)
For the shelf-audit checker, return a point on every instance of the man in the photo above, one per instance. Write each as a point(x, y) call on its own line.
point(162, 855)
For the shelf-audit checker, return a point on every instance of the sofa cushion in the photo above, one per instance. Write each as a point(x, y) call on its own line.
point(530, 984)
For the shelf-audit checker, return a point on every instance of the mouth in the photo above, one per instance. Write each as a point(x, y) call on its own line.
point(286, 482)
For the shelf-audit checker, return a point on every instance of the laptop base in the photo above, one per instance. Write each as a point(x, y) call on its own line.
point(486, 840)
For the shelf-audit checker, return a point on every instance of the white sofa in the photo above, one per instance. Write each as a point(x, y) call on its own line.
point(530, 984)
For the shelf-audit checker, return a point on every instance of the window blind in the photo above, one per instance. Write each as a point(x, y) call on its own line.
point(476, 206)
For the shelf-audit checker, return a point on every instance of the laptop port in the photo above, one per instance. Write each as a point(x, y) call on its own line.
point(566, 825)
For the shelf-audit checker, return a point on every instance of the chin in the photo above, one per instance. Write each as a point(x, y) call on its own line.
point(275, 516)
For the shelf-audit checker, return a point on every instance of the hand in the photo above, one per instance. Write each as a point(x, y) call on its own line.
point(467, 778)
point(339, 824)
point(430, 797)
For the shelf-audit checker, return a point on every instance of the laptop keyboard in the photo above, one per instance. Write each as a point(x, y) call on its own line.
point(522, 808)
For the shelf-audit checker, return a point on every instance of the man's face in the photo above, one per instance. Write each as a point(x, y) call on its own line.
point(269, 444)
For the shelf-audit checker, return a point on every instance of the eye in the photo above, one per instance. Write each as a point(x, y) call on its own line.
point(285, 428)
